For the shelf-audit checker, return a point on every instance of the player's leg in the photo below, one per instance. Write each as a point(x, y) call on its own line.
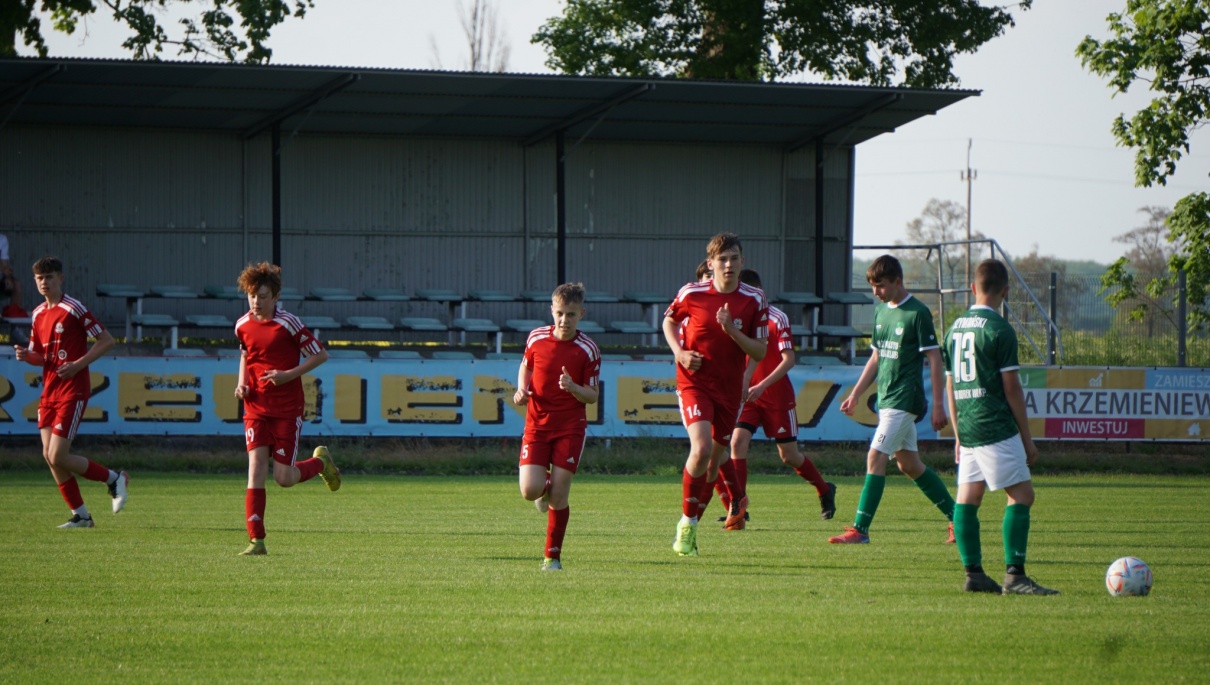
point(62, 419)
point(1008, 470)
point(534, 471)
point(558, 515)
point(925, 478)
point(741, 443)
point(69, 488)
point(787, 450)
point(287, 470)
point(971, 487)
point(258, 442)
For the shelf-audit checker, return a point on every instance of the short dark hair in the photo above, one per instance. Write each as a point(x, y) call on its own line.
point(703, 270)
point(569, 293)
point(48, 265)
point(885, 268)
point(750, 277)
point(992, 276)
point(721, 243)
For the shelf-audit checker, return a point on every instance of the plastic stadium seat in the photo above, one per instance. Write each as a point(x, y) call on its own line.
point(333, 294)
point(291, 294)
point(158, 321)
point(386, 295)
point(491, 296)
point(600, 296)
point(523, 325)
point(849, 298)
point(399, 354)
point(646, 297)
point(223, 292)
point(317, 323)
point(590, 327)
point(439, 295)
point(422, 323)
point(119, 290)
point(370, 323)
point(209, 321)
point(175, 291)
point(475, 325)
point(536, 295)
point(798, 297)
point(640, 327)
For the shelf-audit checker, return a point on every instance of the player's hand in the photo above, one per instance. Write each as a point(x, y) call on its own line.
point(565, 380)
point(755, 392)
point(940, 420)
point(241, 391)
point(521, 397)
point(68, 370)
point(724, 317)
point(849, 405)
point(276, 377)
point(689, 359)
point(22, 353)
point(1031, 452)
point(957, 452)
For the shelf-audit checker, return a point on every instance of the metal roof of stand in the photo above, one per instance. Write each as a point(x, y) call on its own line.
point(247, 99)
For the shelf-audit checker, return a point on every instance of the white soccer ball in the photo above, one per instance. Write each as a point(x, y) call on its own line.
point(1128, 576)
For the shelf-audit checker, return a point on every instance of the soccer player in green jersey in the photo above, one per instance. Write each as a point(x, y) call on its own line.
point(993, 447)
point(904, 337)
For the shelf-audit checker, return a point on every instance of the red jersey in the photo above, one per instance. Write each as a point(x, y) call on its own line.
point(60, 334)
point(268, 345)
point(696, 307)
point(782, 390)
point(546, 356)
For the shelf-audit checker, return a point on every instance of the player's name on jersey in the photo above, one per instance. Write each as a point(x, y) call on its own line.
point(969, 322)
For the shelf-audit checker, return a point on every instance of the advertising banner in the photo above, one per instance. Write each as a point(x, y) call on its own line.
point(451, 399)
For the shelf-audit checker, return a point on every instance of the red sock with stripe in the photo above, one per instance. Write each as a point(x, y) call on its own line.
point(70, 489)
point(309, 468)
point(691, 489)
point(556, 528)
point(711, 487)
point(96, 472)
point(254, 512)
point(811, 474)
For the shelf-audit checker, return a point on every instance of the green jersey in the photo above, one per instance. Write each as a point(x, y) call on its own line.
point(902, 334)
point(979, 347)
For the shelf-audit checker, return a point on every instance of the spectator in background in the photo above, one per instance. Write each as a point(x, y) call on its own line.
point(10, 287)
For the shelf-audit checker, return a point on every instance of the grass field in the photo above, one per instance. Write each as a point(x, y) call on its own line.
point(436, 579)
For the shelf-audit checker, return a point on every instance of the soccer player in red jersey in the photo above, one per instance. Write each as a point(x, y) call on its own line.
point(558, 376)
point(270, 384)
point(770, 405)
point(725, 323)
point(58, 342)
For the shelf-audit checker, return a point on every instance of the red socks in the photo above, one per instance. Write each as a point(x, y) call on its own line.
point(556, 527)
point(811, 474)
point(704, 500)
point(254, 512)
point(96, 472)
point(741, 478)
point(691, 489)
point(309, 469)
point(70, 489)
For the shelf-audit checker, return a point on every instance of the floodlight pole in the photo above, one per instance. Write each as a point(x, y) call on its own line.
point(968, 176)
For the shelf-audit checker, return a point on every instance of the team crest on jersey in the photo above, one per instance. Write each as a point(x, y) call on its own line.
point(62, 355)
point(738, 323)
point(899, 330)
point(59, 328)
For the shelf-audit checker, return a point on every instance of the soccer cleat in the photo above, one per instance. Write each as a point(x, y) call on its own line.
point(549, 564)
point(77, 521)
point(256, 548)
point(738, 518)
point(979, 582)
point(827, 502)
point(1024, 585)
point(330, 474)
point(949, 538)
point(851, 536)
point(117, 490)
point(723, 518)
point(685, 543)
point(542, 504)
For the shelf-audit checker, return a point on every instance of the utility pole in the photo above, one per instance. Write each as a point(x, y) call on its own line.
point(969, 175)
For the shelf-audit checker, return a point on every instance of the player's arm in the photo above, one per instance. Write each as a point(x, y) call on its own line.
point(585, 393)
point(241, 382)
point(868, 374)
point(749, 371)
point(524, 374)
point(937, 377)
point(310, 363)
point(28, 354)
point(755, 348)
point(687, 358)
point(1015, 394)
point(953, 405)
point(787, 363)
point(103, 344)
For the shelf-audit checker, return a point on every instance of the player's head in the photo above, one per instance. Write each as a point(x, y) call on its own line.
point(885, 276)
point(567, 308)
point(48, 274)
point(703, 273)
point(262, 284)
point(991, 278)
point(726, 260)
point(750, 277)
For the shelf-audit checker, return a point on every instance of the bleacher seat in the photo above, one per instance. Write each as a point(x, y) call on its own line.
point(535, 295)
point(370, 323)
point(640, 327)
point(523, 325)
point(477, 326)
point(646, 297)
point(184, 352)
point(317, 323)
point(386, 295)
point(849, 298)
point(157, 321)
point(209, 321)
point(342, 353)
point(803, 298)
point(845, 333)
point(439, 295)
point(600, 296)
point(452, 355)
point(422, 323)
point(223, 292)
point(291, 294)
point(119, 290)
point(333, 294)
point(173, 291)
point(590, 327)
point(399, 354)
point(490, 296)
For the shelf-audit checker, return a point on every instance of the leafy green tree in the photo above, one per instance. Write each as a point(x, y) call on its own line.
point(225, 29)
point(1163, 44)
point(878, 42)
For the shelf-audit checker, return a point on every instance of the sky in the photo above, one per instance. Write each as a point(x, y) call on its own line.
point(1048, 174)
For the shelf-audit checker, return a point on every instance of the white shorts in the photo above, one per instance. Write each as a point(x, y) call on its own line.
point(1000, 464)
point(896, 431)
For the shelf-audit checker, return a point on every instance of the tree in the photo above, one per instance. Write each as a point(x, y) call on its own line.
point(1139, 283)
point(1162, 43)
point(1035, 270)
point(1150, 249)
point(487, 45)
point(212, 34)
point(871, 41)
point(942, 221)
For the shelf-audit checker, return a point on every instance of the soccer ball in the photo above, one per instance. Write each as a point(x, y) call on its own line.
point(1128, 576)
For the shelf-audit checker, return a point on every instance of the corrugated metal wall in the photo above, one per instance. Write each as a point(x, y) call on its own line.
point(146, 207)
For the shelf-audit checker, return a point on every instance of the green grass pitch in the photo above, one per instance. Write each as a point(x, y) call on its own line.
point(427, 579)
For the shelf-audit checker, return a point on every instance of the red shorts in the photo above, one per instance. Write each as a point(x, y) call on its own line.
point(777, 420)
point(548, 448)
point(62, 418)
point(279, 435)
point(698, 405)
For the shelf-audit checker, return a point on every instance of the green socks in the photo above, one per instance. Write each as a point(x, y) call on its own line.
point(933, 488)
point(1016, 534)
point(867, 506)
point(966, 530)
